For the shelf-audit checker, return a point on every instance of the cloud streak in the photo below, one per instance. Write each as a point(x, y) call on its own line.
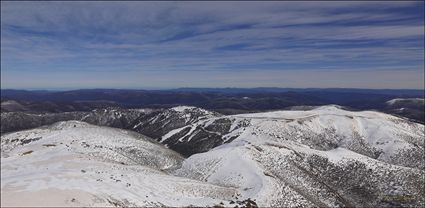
point(105, 40)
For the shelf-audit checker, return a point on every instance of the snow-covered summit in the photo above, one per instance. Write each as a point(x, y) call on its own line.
point(323, 127)
point(183, 108)
point(193, 110)
point(326, 156)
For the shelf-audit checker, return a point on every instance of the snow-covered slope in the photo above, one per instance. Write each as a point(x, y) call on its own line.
point(158, 123)
point(412, 108)
point(418, 101)
point(76, 164)
point(323, 157)
point(11, 105)
point(373, 134)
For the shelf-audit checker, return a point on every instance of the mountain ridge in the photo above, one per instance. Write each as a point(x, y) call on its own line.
point(325, 156)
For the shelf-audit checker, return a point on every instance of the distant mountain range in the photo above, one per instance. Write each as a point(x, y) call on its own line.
point(398, 92)
point(223, 100)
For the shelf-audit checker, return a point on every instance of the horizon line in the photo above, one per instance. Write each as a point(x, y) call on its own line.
point(207, 88)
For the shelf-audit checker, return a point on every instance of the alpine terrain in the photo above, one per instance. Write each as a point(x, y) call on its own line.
point(188, 156)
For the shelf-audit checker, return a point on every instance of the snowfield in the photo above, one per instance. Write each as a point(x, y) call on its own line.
point(76, 164)
point(325, 156)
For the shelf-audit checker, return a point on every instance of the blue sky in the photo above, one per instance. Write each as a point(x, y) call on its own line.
point(59, 45)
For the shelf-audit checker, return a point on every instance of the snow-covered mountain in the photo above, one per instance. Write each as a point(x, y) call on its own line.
point(412, 108)
point(112, 117)
point(159, 123)
point(76, 164)
point(373, 134)
point(398, 101)
point(154, 123)
point(325, 156)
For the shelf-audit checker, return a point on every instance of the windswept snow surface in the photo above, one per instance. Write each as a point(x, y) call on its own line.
point(76, 164)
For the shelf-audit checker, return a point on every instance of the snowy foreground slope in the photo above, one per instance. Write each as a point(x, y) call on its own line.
point(326, 156)
point(76, 164)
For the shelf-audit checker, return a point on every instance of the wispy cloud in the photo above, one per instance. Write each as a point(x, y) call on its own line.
point(133, 40)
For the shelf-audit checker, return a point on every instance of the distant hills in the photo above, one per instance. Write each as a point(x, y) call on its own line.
point(400, 92)
point(223, 100)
